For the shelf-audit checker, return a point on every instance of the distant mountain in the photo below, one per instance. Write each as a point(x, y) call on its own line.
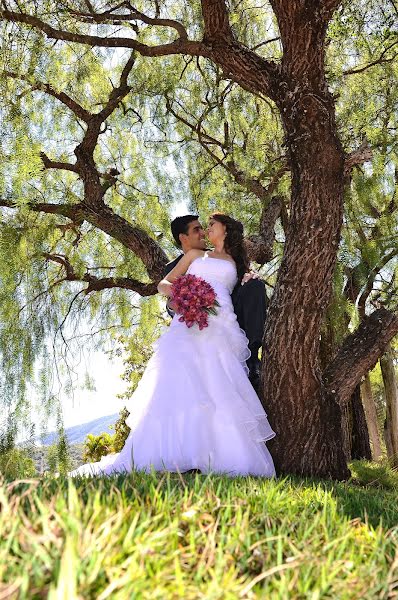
point(78, 433)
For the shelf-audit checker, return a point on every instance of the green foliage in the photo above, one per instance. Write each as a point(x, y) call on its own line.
point(122, 430)
point(138, 348)
point(207, 536)
point(379, 475)
point(58, 458)
point(46, 459)
point(97, 446)
point(17, 464)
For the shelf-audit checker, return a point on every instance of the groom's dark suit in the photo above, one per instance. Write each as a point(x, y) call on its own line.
point(250, 305)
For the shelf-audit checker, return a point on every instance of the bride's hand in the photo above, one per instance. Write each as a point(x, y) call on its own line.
point(248, 276)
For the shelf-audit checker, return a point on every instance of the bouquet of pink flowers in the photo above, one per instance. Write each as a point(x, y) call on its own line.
point(194, 299)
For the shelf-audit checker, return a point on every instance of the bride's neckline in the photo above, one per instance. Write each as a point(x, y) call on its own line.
point(207, 255)
point(214, 258)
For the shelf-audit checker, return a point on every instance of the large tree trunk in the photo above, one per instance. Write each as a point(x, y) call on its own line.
point(346, 430)
point(371, 417)
point(391, 391)
point(308, 425)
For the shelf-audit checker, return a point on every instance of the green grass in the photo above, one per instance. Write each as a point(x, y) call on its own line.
point(192, 536)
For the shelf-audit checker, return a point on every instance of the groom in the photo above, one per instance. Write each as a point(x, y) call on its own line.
point(249, 299)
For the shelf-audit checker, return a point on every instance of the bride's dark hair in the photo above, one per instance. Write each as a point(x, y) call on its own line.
point(233, 242)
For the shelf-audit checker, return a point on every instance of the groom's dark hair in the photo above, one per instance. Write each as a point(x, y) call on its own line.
point(180, 225)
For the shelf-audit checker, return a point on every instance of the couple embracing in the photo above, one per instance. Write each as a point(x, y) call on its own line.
point(195, 406)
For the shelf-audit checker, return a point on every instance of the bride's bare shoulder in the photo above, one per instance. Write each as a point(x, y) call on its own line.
point(191, 255)
point(183, 264)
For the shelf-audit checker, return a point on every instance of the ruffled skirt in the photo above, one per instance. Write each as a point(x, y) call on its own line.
point(194, 407)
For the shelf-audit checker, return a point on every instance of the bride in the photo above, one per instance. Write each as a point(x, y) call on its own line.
point(194, 407)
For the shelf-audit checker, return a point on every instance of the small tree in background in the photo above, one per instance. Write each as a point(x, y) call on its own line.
point(58, 456)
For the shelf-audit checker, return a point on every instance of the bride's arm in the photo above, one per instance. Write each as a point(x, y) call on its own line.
point(181, 268)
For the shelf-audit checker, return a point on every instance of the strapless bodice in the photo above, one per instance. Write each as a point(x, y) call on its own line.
point(220, 273)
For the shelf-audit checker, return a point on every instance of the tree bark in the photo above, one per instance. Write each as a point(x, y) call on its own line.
point(359, 353)
point(353, 422)
point(390, 381)
point(306, 422)
point(346, 430)
point(371, 417)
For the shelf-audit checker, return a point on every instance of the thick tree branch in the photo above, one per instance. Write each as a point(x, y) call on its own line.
point(53, 164)
point(110, 16)
point(250, 70)
point(119, 92)
point(157, 21)
point(216, 20)
point(96, 284)
point(74, 212)
point(359, 353)
point(93, 208)
point(143, 289)
point(315, 10)
point(180, 46)
point(116, 96)
point(134, 238)
point(105, 219)
point(259, 247)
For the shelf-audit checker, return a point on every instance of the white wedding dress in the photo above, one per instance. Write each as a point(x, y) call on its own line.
point(194, 407)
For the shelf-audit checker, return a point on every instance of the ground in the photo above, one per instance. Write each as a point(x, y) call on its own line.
point(193, 536)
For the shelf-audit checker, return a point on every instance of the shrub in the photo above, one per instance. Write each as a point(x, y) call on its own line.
point(97, 446)
point(17, 464)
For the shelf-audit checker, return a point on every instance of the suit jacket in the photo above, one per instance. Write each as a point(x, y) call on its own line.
point(167, 270)
point(171, 265)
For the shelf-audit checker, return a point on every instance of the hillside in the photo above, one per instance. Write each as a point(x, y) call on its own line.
point(76, 436)
point(78, 433)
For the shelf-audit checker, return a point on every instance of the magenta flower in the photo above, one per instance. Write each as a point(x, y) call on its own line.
point(194, 299)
